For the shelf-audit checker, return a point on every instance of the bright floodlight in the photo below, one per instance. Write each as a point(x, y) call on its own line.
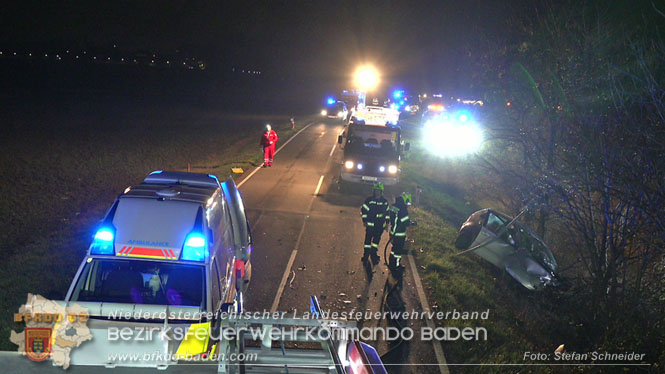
point(451, 138)
point(366, 78)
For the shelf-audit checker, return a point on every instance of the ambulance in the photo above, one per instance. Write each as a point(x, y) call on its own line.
point(170, 255)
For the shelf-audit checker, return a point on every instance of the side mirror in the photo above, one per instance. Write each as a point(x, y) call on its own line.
point(407, 146)
point(340, 139)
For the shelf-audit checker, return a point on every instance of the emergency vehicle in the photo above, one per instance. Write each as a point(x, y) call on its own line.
point(170, 253)
point(372, 146)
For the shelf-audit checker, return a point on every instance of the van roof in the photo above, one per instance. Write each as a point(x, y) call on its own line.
point(181, 177)
point(170, 192)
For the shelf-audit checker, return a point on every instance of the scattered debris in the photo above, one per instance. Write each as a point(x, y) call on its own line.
point(303, 267)
point(422, 267)
point(237, 170)
point(293, 273)
point(351, 272)
point(359, 296)
point(346, 301)
point(341, 294)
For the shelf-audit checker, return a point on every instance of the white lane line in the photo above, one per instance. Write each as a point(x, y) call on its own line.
point(323, 133)
point(279, 149)
point(289, 265)
point(332, 150)
point(318, 186)
point(438, 351)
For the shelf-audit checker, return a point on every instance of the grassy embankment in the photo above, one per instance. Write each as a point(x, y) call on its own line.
point(60, 177)
point(519, 320)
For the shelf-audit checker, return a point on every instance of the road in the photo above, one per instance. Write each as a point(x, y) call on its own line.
point(309, 237)
point(308, 240)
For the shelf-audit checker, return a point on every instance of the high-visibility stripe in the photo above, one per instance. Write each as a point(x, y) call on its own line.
point(192, 345)
point(400, 234)
point(404, 218)
point(365, 206)
point(368, 246)
point(370, 224)
point(375, 245)
point(364, 216)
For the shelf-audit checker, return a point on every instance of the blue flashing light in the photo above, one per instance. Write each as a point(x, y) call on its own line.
point(331, 101)
point(463, 117)
point(397, 94)
point(401, 102)
point(157, 172)
point(102, 244)
point(194, 248)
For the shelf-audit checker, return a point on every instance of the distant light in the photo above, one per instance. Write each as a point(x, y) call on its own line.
point(331, 101)
point(30, 54)
point(77, 56)
point(382, 169)
point(324, 112)
point(359, 166)
point(348, 164)
point(45, 55)
point(449, 138)
point(108, 58)
point(67, 51)
point(401, 102)
point(508, 103)
point(397, 94)
point(122, 59)
point(463, 117)
point(366, 78)
point(94, 58)
point(168, 62)
point(392, 169)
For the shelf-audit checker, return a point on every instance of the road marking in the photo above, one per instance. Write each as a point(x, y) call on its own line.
point(289, 265)
point(332, 150)
point(287, 270)
point(318, 186)
point(438, 351)
point(279, 149)
point(323, 133)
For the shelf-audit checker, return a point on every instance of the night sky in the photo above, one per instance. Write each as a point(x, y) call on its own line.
point(418, 44)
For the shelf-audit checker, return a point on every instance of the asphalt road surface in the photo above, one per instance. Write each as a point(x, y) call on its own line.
point(308, 240)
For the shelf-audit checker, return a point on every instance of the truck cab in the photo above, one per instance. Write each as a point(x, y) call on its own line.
point(372, 147)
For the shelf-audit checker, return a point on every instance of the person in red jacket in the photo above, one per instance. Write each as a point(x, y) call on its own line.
point(268, 141)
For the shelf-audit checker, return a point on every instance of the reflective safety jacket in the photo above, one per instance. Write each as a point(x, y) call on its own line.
point(399, 218)
point(375, 212)
point(268, 137)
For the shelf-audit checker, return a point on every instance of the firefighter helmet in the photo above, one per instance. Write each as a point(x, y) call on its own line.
point(379, 186)
point(407, 198)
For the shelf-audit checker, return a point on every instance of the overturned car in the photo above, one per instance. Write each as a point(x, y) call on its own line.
point(508, 245)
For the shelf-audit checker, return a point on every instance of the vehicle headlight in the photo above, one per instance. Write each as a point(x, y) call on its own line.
point(392, 169)
point(348, 164)
point(340, 114)
point(324, 112)
point(359, 166)
point(382, 168)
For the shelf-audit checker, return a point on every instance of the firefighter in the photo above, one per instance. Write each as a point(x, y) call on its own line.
point(399, 221)
point(375, 219)
point(268, 141)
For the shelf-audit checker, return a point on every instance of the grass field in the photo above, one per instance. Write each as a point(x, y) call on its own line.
point(60, 177)
point(518, 320)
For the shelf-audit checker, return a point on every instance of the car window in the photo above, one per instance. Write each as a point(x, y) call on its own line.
point(141, 282)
